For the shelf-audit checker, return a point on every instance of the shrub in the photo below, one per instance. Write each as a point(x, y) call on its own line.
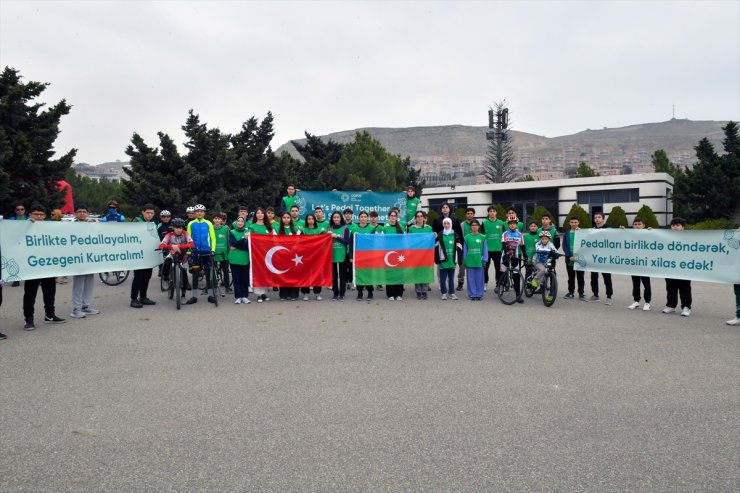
point(721, 223)
point(617, 218)
point(580, 212)
point(540, 211)
point(648, 217)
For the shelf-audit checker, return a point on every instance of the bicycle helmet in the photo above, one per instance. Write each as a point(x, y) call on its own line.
point(190, 209)
point(546, 234)
point(113, 203)
point(178, 223)
point(165, 213)
point(199, 207)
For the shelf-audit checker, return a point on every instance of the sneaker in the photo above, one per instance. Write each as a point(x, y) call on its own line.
point(581, 297)
point(369, 296)
point(238, 301)
point(453, 297)
point(3, 336)
point(318, 297)
point(211, 299)
point(734, 321)
point(265, 298)
point(359, 296)
point(305, 297)
point(443, 297)
point(485, 287)
point(424, 295)
point(77, 314)
point(250, 289)
point(593, 298)
point(634, 305)
point(147, 301)
point(30, 326)
point(259, 299)
point(646, 307)
point(398, 298)
point(668, 309)
point(16, 284)
point(520, 300)
point(89, 311)
point(459, 286)
point(569, 296)
point(191, 301)
point(608, 301)
point(246, 301)
point(391, 298)
point(53, 320)
point(341, 298)
point(335, 297)
point(136, 304)
point(686, 312)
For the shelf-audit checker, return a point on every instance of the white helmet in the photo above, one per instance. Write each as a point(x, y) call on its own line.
point(165, 213)
point(190, 209)
point(199, 207)
point(546, 234)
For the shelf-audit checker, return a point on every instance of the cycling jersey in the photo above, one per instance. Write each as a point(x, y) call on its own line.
point(542, 252)
point(203, 235)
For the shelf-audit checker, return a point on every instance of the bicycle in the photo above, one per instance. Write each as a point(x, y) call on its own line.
point(114, 278)
point(507, 282)
point(218, 267)
point(177, 271)
point(549, 285)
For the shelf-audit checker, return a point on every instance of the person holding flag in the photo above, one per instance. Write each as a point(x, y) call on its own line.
point(261, 226)
point(340, 241)
point(393, 291)
point(420, 226)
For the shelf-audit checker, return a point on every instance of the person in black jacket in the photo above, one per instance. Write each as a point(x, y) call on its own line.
point(446, 211)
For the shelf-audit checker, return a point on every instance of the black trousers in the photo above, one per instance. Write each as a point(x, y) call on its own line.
point(607, 283)
point(636, 280)
point(338, 278)
point(31, 289)
point(316, 290)
point(496, 257)
point(573, 276)
point(140, 284)
point(675, 288)
point(394, 290)
point(370, 290)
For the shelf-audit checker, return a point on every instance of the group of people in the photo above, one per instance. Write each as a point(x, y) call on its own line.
point(463, 249)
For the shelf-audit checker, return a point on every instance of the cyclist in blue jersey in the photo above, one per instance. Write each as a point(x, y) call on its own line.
point(203, 235)
point(513, 252)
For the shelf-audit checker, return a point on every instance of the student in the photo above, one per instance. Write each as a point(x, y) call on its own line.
point(321, 221)
point(340, 240)
point(288, 200)
point(239, 260)
point(287, 227)
point(638, 223)
point(678, 287)
point(165, 224)
point(377, 227)
point(465, 227)
point(2, 336)
point(475, 254)
point(531, 237)
point(82, 285)
point(362, 227)
point(547, 225)
point(393, 291)
point(542, 251)
point(569, 239)
point(493, 228)
point(201, 231)
point(221, 254)
point(736, 320)
point(447, 254)
point(295, 217)
point(348, 221)
point(113, 215)
point(176, 241)
point(140, 284)
point(242, 211)
point(412, 204)
point(420, 226)
point(311, 227)
point(446, 211)
point(31, 286)
point(19, 213)
point(261, 226)
point(270, 211)
point(514, 253)
point(190, 215)
point(600, 223)
point(512, 214)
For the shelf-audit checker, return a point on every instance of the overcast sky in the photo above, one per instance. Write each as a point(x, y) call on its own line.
point(323, 67)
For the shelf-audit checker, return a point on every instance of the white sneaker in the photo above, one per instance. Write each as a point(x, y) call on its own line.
point(305, 297)
point(77, 314)
point(608, 301)
point(686, 311)
point(668, 309)
point(443, 297)
point(238, 301)
point(734, 321)
point(485, 287)
point(246, 301)
point(646, 307)
point(391, 298)
point(634, 305)
point(399, 299)
point(453, 297)
point(251, 289)
point(90, 311)
point(318, 297)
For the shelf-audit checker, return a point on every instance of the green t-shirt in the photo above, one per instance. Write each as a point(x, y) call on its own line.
point(530, 240)
point(474, 244)
point(411, 206)
point(494, 230)
point(312, 231)
point(288, 202)
point(338, 249)
point(391, 230)
point(236, 256)
point(323, 225)
point(448, 241)
point(571, 241)
point(367, 229)
point(258, 229)
point(416, 229)
point(222, 242)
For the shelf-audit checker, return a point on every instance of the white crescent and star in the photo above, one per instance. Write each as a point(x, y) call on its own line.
point(387, 262)
point(298, 260)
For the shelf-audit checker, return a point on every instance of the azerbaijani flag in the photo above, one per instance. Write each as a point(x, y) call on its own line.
point(393, 259)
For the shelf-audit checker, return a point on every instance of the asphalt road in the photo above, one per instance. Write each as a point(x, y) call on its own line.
point(382, 396)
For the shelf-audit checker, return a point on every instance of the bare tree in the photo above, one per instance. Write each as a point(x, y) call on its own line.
point(499, 167)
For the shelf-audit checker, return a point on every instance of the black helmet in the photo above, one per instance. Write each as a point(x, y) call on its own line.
point(178, 223)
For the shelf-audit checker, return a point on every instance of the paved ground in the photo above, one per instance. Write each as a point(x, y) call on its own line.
point(410, 396)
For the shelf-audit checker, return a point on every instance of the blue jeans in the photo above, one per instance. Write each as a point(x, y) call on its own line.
point(475, 282)
point(447, 276)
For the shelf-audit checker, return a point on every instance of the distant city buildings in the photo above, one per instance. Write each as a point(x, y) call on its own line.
point(111, 171)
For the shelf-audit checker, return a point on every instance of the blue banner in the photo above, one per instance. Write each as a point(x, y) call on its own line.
point(380, 202)
point(712, 256)
point(33, 250)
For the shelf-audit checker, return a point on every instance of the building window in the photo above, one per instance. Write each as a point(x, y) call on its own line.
point(616, 196)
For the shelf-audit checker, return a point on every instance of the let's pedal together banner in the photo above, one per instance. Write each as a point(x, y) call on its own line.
point(712, 256)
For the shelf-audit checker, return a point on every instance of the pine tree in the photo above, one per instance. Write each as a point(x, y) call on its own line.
point(648, 217)
point(319, 164)
point(580, 212)
point(500, 157)
point(585, 171)
point(617, 218)
point(540, 211)
point(28, 173)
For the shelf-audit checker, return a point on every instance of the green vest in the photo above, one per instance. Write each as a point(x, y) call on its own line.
point(367, 229)
point(530, 240)
point(424, 229)
point(494, 230)
point(323, 225)
point(338, 249)
point(238, 257)
point(449, 243)
point(313, 231)
point(222, 242)
point(391, 230)
point(258, 229)
point(411, 206)
point(474, 250)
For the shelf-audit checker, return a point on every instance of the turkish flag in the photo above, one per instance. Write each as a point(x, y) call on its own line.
point(290, 260)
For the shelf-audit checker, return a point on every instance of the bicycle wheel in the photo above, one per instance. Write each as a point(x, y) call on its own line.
point(506, 292)
point(164, 283)
point(113, 278)
point(528, 288)
point(177, 284)
point(170, 285)
point(549, 289)
point(214, 284)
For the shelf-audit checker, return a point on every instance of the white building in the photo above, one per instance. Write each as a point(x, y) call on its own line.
point(597, 194)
